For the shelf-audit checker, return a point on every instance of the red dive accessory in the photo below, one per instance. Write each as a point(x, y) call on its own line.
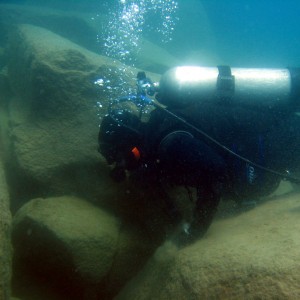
point(136, 152)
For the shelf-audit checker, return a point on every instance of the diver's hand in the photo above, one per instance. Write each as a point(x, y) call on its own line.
point(183, 235)
point(188, 233)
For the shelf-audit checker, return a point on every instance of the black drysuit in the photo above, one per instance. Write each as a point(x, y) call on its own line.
point(183, 156)
point(174, 152)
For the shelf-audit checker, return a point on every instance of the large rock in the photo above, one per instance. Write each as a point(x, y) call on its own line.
point(5, 245)
point(54, 115)
point(252, 256)
point(73, 249)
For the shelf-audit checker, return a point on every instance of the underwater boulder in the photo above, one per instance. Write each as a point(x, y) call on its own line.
point(54, 77)
point(254, 255)
point(65, 241)
point(5, 245)
point(54, 115)
point(73, 250)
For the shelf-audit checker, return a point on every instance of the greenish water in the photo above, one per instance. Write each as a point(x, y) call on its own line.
point(85, 237)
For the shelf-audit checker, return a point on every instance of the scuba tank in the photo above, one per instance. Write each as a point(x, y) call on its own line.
point(260, 88)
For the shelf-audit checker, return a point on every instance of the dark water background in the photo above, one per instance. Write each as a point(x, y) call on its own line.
point(239, 33)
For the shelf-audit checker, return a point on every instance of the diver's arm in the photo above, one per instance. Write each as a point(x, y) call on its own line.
point(186, 160)
point(205, 209)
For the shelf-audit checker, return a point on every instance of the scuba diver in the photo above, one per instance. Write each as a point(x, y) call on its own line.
point(228, 133)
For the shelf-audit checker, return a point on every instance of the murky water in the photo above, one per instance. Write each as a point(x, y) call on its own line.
point(133, 223)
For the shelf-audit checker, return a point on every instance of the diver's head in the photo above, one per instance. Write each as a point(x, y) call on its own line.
point(120, 138)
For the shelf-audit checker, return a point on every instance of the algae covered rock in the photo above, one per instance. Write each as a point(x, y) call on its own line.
point(54, 76)
point(66, 239)
point(252, 256)
point(54, 115)
point(74, 249)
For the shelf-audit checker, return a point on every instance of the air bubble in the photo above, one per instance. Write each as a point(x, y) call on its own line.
point(123, 34)
point(99, 82)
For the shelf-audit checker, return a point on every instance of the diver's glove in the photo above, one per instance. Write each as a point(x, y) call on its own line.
point(206, 206)
point(186, 234)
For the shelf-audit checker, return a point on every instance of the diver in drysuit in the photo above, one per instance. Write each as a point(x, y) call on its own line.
point(224, 148)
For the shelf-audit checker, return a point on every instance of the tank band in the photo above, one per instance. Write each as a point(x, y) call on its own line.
point(225, 83)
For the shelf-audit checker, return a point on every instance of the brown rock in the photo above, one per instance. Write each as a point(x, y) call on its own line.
point(54, 115)
point(65, 243)
point(252, 256)
point(73, 250)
